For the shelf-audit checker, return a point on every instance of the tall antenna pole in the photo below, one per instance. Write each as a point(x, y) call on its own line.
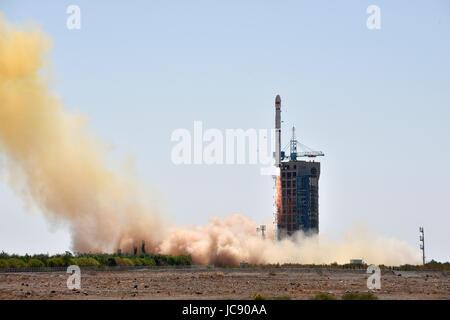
point(422, 243)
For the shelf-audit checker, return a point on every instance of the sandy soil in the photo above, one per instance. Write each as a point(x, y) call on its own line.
point(221, 284)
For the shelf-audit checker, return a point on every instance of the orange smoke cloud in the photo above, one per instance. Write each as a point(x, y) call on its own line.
point(53, 161)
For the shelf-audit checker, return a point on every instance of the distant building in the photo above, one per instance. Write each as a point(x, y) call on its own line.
point(356, 261)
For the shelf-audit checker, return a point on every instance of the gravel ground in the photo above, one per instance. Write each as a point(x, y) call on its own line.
point(293, 283)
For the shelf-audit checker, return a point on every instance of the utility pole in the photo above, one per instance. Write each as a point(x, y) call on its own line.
point(422, 243)
point(262, 228)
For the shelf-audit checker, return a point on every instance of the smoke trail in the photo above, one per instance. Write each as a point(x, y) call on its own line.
point(54, 161)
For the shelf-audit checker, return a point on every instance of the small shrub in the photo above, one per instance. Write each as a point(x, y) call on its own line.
point(3, 263)
point(84, 262)
point(123, 261)
point(35, 263)
point(148, 262)
point(259, 296)
point(323, 296)
point(112, 262)
point(16, 263)
point(138, 261)
point(183, 260)
point(56, 262)
point(170, 260)
point(359, 296)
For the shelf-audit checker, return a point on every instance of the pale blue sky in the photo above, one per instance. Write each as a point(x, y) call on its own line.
point(377, 102)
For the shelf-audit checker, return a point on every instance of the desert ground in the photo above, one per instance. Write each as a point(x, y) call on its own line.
point(222, 283)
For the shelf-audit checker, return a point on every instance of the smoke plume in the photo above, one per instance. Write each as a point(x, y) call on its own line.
point(53, 161)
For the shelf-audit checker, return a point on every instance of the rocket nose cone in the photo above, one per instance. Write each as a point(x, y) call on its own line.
point(278, 100)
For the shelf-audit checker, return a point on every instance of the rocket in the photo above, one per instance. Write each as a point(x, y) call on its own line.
point(277, 131)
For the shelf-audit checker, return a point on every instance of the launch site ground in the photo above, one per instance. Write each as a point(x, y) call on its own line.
point(223, 284)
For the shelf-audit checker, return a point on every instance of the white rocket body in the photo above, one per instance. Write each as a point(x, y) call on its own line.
point(277, 131)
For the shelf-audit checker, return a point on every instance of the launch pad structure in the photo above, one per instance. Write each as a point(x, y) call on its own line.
point(297, 186)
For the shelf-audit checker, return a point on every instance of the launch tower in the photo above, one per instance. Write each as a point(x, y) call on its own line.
point(297, 199)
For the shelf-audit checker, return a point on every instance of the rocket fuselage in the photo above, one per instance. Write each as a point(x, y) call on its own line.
point(278, 131)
